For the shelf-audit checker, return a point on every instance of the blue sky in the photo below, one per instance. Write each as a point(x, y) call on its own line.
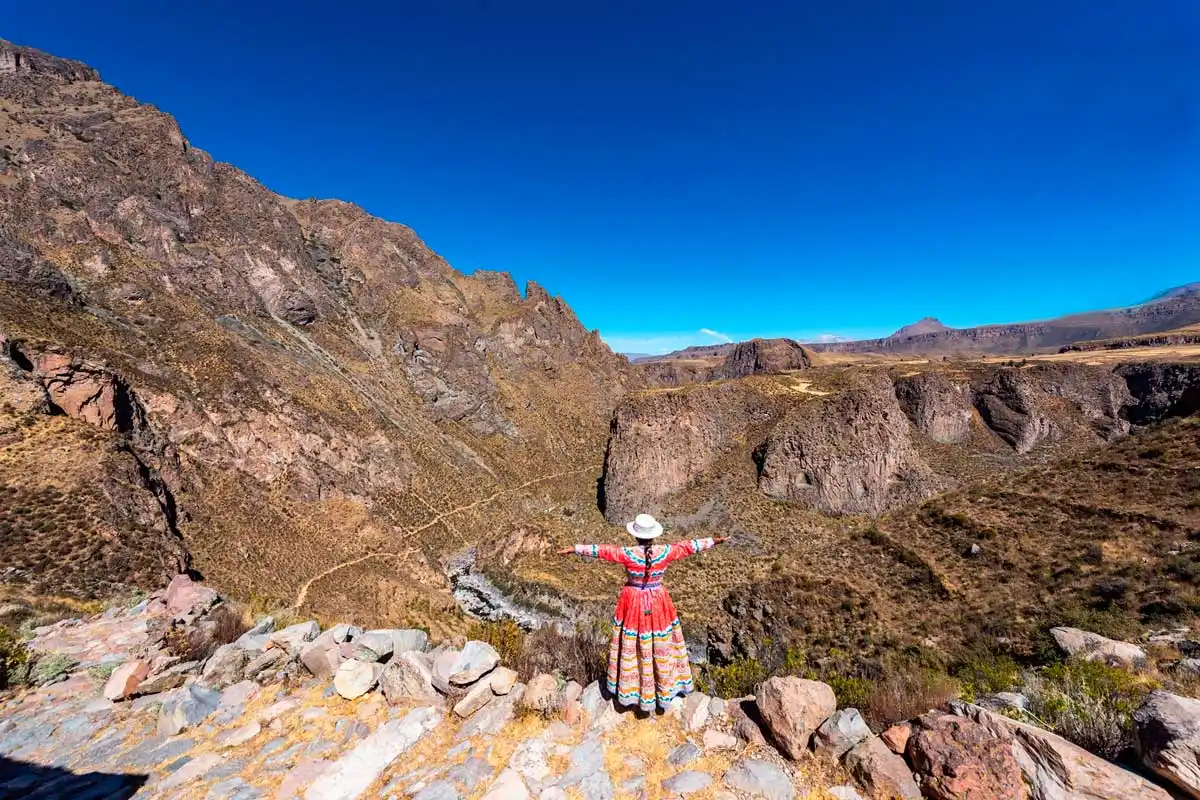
point(794, 168)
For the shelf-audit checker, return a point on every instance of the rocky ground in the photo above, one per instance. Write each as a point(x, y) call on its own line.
point(297, 712)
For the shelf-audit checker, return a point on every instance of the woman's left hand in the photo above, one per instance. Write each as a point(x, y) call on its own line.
point(720, 539)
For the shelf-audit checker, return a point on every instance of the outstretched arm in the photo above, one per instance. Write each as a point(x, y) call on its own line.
point(604, 552)
point(690, 547)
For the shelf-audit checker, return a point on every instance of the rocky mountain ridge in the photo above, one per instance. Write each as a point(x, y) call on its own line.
point(295, 382)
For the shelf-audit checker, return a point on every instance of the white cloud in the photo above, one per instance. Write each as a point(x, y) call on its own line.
point(825, 338)
point(720, 337)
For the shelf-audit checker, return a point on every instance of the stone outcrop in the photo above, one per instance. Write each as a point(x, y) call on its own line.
point(1167, 737)
point(759, 356)
point(938, 406)
point(793, 708)
point(1094, 647)
point(1012, 406)
point(850, 454)
point(1161, 391)
point(1056, 769)
point(882, 774)
point(959, 759)
point(661, 441)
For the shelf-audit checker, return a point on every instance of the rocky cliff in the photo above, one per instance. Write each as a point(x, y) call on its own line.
point(317, 380)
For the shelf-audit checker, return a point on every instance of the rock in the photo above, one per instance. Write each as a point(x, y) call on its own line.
point(880, 772)
point(163, 682)
point(406, 677)
point(586, 759)
point(190, 771)
point(850, 453)
point(532, 759)
point(1189, 667)
point(1056, 769)
point(837, 734)
point(503, 679)
point(683, 754)
point(1094, 647)
point(1167, 738)
point(896, 737)
point(253, 642)
point(792, 708)
point(747, 722)
point(443, 667)
point(322, 657)
point(474, 661)
point(688, 782)
point(225, 666)
point(378, 642)
point(405, 640)
point(597, 786)
point(186, 598)
point(470, 773)
point(717, 708)
point(235, 736)
point(541, 694)
point(844, 793)
point(507, 786)
point(185, 708)
point(479, 696)
point(760, 779)
point(264, 661)
point(293, 638)
point(494, 716)
point(695, 711)
point(936, 406)
point(719, 740)
point(124, 680)
point(353, 678)
point(959, 759)
point(759, 356)
point(438, 790)
point(572, 709)
point(351, 775)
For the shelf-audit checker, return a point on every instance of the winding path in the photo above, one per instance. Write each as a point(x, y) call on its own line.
point(302, 596)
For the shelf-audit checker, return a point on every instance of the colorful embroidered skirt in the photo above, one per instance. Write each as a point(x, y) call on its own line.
point(647, 659)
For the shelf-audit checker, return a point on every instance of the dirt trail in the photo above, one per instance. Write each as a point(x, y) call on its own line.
point(302, 596)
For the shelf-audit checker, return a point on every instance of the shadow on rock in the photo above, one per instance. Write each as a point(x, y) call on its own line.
point(37, 782)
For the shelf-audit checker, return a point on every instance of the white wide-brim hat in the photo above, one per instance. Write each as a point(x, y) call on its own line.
point(644, 526)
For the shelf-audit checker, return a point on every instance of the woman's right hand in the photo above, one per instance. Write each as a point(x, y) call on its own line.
point(566, 551)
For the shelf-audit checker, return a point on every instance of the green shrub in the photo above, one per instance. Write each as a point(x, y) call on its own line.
point(1089, 703)
point(504, 635)
point(739, 678)
point(987, 674)
point(102, 672)
point(49, 667)
point(14, 656)
point(851, 692)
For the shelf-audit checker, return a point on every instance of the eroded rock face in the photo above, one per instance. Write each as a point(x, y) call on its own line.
point(1162, 390)
point(849, 454)
point(661, 441)
point(937, 406)
point(1012, 406)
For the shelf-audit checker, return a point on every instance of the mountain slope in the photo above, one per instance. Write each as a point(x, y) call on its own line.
point(310, 384)
point(1171, 309)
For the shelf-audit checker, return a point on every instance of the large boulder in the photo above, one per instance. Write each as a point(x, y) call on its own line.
point(124, 680)
point(355, 678)
point(937, 406)
point(225, 666)
point(844, 729)
point(187, 599)
point(444, 664)
point(293, 638)
point(759, 779)
point(479, 696)
point(407, 676)
point(474, 661)
point(541, 694)
point(1094, 647)
point(378, 642)
point(1167, 737)
point(882, 774)
point(792, 708)
point(1056, 769)
point(352, 775)
point(185, 708)
point(959, 759)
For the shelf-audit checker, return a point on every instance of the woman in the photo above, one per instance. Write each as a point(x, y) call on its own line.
point(647, 659)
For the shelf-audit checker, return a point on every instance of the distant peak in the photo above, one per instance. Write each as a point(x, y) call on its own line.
point(921, 326)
